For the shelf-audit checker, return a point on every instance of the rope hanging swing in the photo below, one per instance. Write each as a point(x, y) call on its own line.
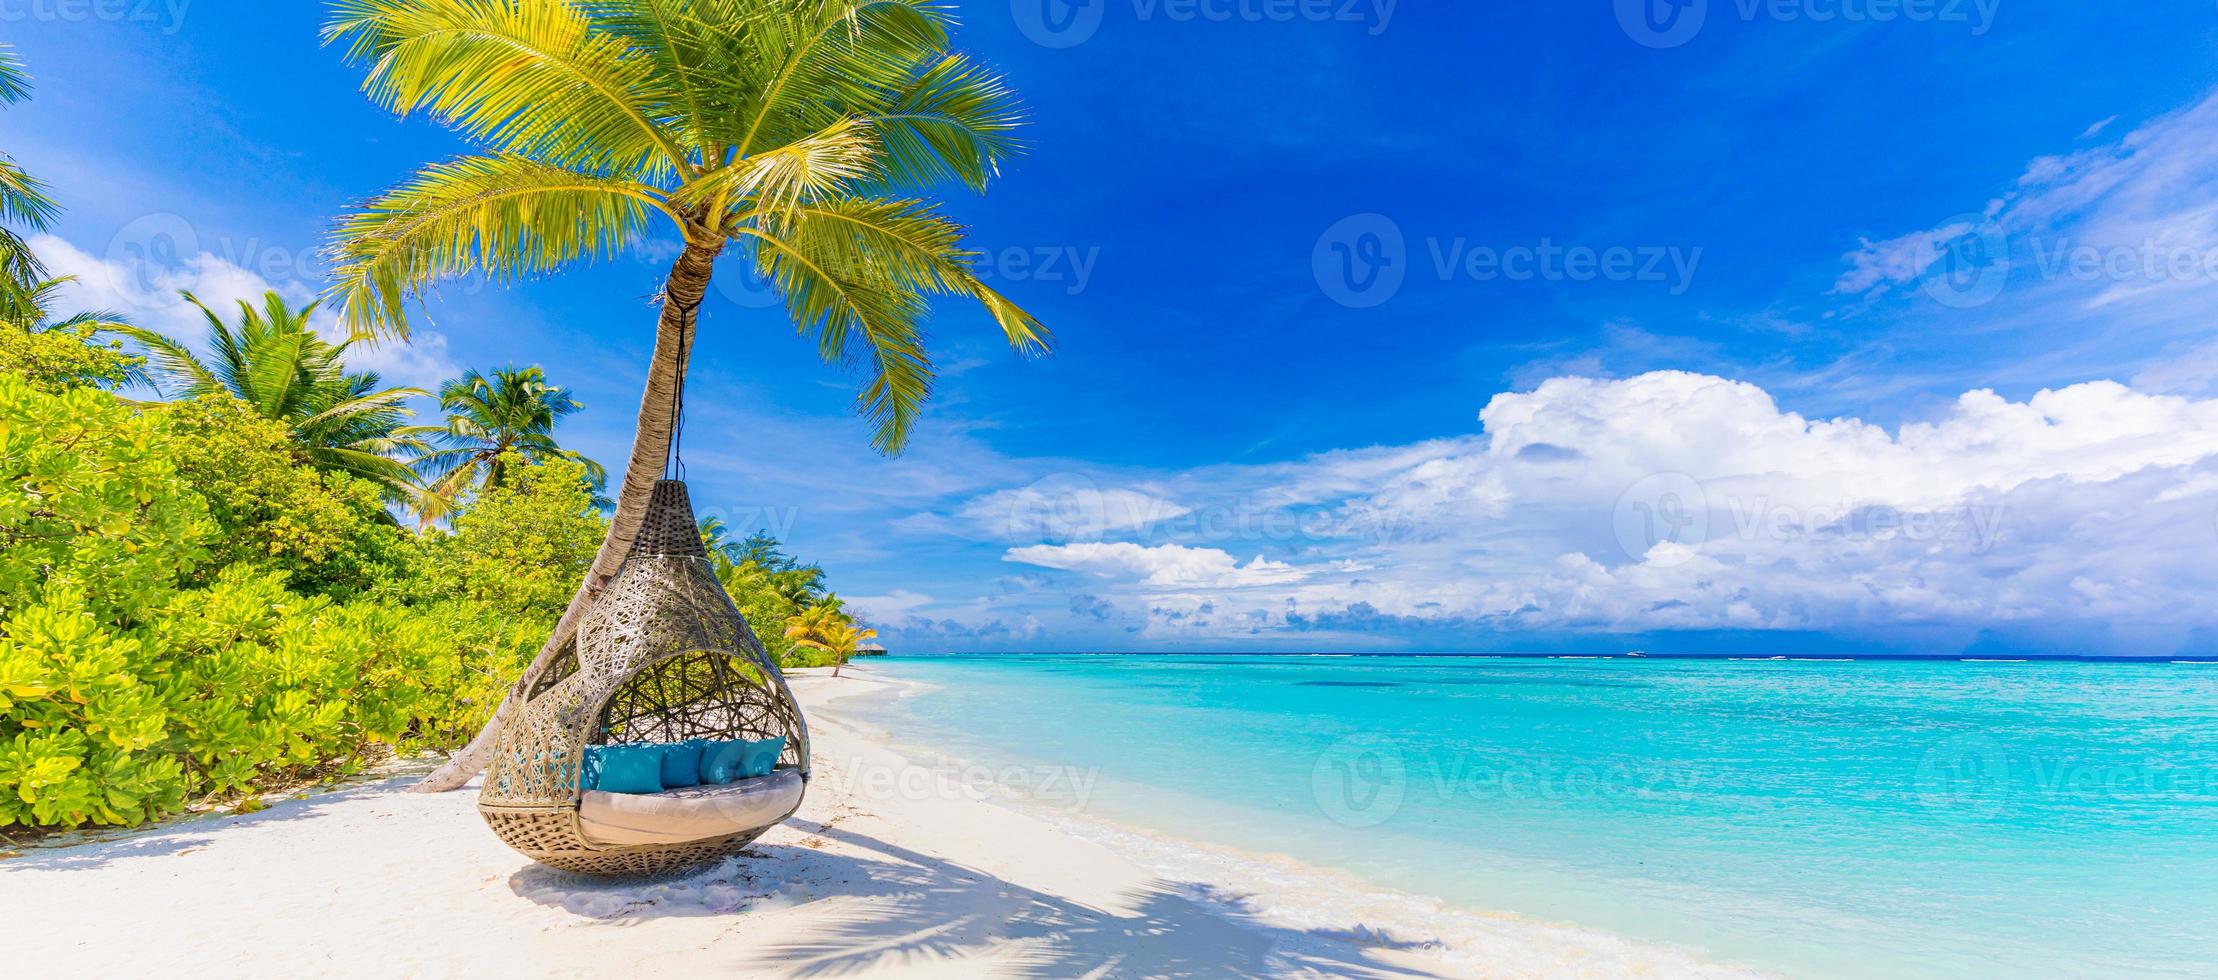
point(663, 657)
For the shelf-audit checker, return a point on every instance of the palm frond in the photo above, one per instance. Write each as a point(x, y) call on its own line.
point(15, 83)
point(921, 248)
point(848, 300)
point(776, 182)
point(529, 77)
point(506, 216)
point(954, 121)
point(176, 365)
point(25, 200)
point(834, 59)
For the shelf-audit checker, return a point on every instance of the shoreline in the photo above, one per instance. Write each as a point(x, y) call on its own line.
point(1456, 939)
point(890, 869)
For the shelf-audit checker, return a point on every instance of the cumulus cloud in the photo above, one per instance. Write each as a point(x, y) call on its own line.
point(1679, 501)
point(148, 294)
point(1167, 565)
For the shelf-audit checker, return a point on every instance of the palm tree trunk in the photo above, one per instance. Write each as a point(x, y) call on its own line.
point(681, 311)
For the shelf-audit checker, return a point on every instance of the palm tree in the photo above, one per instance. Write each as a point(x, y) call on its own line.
point(513, 411)
point(23, 201)
point(342, 422)
point(802, 135)
point(824, 627)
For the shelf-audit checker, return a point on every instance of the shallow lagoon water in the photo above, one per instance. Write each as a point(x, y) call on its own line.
point(1813, 818)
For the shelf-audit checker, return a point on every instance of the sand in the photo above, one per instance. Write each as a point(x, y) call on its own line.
point(890, 869)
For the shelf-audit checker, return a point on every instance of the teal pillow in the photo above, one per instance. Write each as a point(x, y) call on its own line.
point(762, 757)
point(721, 762)
point(589, 769)
point(627, 768)
point(681, 763)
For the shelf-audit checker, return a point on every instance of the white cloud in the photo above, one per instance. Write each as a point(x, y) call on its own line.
point(1897, 260)
point(148, 294)
point(1684, 501)
point(1163, 566)
point(2135, 217)
point(1066, 506)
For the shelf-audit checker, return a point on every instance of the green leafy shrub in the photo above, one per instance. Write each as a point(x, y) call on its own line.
point(524, 545)
point(328, 532)
point(155, 650)
point(90, 501)
point(229, 689)
point(65, 357)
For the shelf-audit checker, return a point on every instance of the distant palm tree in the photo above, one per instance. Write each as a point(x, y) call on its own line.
point(23, 201)
point(716, 536)
point(514, 410)
point(347, 423)
point(825, 627)
point(806, 137)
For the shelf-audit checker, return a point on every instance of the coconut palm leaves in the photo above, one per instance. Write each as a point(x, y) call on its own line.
point(826, 628)
point(346, 422)
point(514, 411)
point(797, 132)
point(24, 203)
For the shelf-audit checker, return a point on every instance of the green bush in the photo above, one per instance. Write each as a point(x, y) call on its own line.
point(65, 357)
point(155, 650)
point(190, 611)
point(524, 545)
point(327, 532)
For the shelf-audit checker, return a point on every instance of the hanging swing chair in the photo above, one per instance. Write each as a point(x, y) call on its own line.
point(662, 657)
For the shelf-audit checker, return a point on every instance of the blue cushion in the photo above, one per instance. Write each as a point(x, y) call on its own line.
point(681, 763)
point(625, 768)
point(762, 757)
point(589, 768)
point(721, 762)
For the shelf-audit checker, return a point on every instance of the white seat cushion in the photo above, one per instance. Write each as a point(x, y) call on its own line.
point(695, 813)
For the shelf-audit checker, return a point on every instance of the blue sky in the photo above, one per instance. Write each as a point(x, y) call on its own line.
point(1239, 446)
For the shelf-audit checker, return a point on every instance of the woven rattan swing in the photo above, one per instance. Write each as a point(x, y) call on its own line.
point(662, 656)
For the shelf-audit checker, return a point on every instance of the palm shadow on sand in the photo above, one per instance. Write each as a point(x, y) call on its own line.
point(896, 906)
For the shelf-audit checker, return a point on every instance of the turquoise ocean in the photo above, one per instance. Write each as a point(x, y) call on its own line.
point(1809, 818)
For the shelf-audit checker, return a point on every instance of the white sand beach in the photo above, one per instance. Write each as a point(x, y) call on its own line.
point(890, 869)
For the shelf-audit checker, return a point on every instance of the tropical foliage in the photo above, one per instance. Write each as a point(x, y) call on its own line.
point(827, 630)
point(56, 353)
point(492, 421)
point(24, 203)
point(800, 132)
point(190, 611)
point(182, 614)
point(274, 362)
